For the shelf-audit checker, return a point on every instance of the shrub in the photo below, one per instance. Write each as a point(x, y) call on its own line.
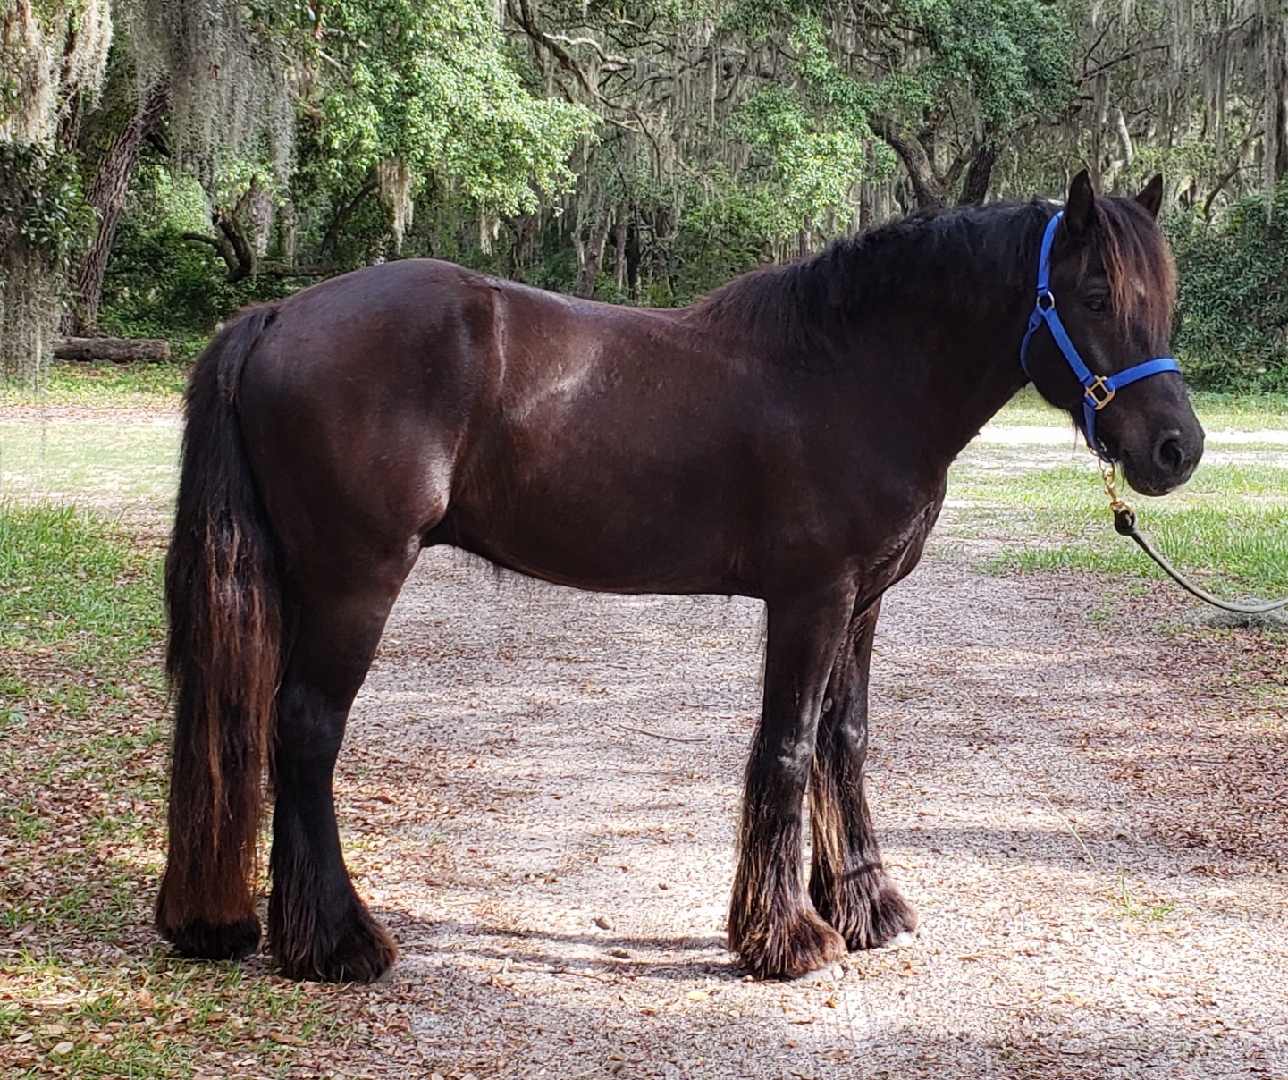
point(1232, 310)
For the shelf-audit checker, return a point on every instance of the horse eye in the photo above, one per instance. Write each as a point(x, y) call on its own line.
point(1098, 304)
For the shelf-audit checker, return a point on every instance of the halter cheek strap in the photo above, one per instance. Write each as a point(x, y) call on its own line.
point(1098, 390)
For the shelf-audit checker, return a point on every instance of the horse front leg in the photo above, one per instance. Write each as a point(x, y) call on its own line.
point(773, 927)
point(318, 928)
point(848, 883)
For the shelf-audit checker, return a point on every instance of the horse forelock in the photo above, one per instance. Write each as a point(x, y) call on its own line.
point(1139, 266)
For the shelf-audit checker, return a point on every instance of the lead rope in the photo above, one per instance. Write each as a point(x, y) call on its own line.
point(1125, 525)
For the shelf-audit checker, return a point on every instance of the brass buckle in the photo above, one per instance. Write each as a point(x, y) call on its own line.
point(1097, 388)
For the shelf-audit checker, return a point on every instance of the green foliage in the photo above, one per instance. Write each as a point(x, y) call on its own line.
point(42, 207)
point(160, 285)
point(1233, 297)
point(430, 85)
point(814, 169)
point(1013, 57)
point(1000, 59)
point(723, 236)
point(43, 220)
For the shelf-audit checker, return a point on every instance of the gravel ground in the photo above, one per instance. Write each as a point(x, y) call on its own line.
point(540, 787)
point(1084, 790)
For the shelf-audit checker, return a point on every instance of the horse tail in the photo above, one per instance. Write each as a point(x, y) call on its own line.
point(223, 659)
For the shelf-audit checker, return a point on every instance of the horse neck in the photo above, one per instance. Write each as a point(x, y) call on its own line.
point(947, 321)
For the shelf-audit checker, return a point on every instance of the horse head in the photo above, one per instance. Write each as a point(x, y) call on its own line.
point(1105, 357)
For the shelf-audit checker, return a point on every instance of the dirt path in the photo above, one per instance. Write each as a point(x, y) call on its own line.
point(1091, 819)
point(1086, 797)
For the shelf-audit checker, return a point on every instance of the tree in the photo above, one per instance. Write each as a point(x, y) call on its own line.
point(1195, 89)
point(52, 59)
point(393, 97)
point(417, 94)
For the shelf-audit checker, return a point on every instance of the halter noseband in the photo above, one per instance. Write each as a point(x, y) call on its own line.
point(1099, 390)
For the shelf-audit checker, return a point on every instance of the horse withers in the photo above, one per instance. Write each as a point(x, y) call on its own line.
point(787, 438)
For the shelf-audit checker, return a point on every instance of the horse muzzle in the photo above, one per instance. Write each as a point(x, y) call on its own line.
point(1164, 462)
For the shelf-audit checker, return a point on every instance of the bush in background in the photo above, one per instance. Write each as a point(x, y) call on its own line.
point(1232, 309)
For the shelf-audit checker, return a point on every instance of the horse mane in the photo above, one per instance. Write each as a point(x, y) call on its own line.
point(941, 254)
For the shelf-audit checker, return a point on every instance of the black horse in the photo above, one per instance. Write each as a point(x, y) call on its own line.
point(787, 438)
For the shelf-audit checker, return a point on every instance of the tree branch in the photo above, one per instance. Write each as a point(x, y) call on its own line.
point(342, 216)
point(925, 185)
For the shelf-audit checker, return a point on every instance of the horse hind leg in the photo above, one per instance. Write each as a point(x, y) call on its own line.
point(318, 928)
point(848, 882)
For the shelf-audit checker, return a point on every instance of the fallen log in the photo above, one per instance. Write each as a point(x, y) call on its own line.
point(120, 350)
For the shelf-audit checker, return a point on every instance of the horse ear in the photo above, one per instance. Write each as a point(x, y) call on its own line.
point(1152, 197)
point(1080, 206)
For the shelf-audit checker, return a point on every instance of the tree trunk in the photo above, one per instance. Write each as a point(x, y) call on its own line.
point(592, 255)
point(633, 262)
point(1278, 56)
point(925, 185)
point(232, 225)
point(107, 196)
point(341, 218)
point(980, 173)
point(865, 212)
point(619, 253)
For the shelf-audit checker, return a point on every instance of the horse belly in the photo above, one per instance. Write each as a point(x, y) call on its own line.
point(603, 537)
point(604, 505)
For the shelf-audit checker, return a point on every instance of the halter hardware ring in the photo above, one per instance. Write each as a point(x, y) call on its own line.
point(1109, 474)
point(1099, 386)
point(1046, 300)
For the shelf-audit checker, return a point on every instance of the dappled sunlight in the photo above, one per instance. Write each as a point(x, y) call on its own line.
point(545, 818)
point(1080, 789)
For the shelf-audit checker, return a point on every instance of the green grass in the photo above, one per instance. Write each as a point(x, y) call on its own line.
point(1242, 412)
point(1217, 412)
point(1128, 906)
point(112, 467)
point(160, 1018)
point(73, 580)
point(104, 385)
point(1228, 526)
point(83, 736)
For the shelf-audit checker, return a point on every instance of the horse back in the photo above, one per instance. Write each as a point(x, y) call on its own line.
point(604, 447)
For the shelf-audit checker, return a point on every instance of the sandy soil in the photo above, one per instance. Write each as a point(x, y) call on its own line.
point(539, 793)
point(1084, 790)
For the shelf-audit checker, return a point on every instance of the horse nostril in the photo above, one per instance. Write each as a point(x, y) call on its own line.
point(1169, 454)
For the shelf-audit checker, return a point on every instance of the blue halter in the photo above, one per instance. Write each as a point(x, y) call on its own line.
point(1099, 389)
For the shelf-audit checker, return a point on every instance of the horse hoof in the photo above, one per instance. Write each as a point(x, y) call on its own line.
point(871, 918)
point(200, 940)
point(904, 940)
point(828, 974)
point(893, 921)
point(790, 949)
point(359, 952)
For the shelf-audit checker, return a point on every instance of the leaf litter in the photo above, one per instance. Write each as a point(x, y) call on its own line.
point(1089, 813)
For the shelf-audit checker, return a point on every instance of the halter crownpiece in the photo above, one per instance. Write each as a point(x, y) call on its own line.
point(1098, 390)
